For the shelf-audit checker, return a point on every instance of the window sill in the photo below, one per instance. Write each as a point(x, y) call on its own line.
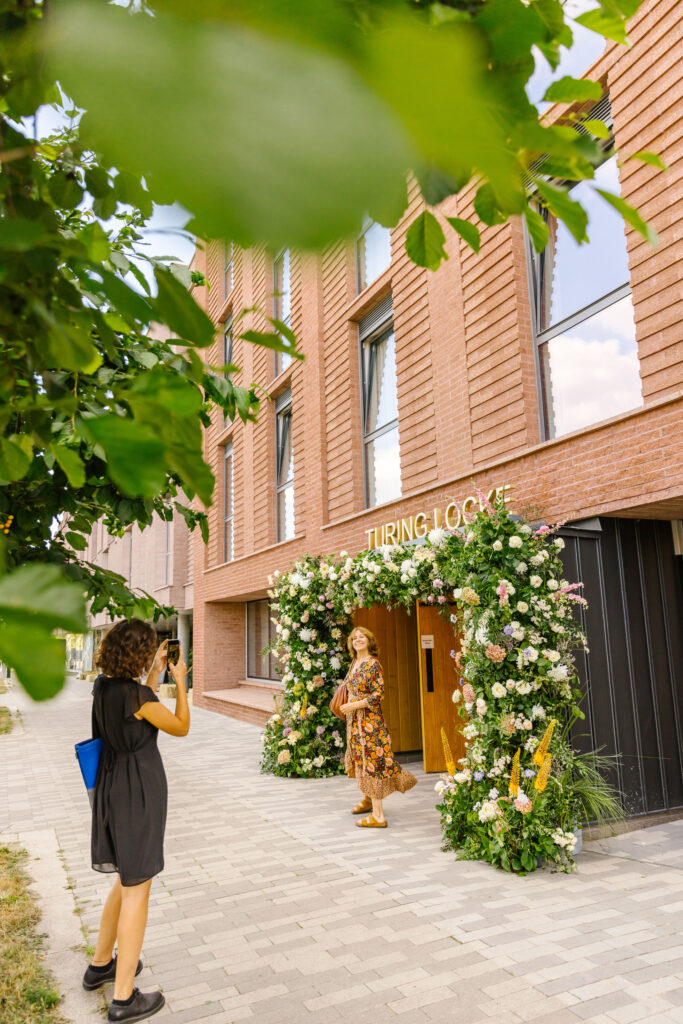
point(226, 309)
point(254, 554)
point(371, 296)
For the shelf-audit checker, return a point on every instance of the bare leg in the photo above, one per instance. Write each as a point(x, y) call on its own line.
point(109, 923)
point(377, 810)
point(131, 932)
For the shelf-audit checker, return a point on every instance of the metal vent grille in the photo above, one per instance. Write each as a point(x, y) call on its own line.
point(376, 318)
point(602, 111)
point(283, 400)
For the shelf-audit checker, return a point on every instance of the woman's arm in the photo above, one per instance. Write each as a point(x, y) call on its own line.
point(158, 715)
point(158, 665)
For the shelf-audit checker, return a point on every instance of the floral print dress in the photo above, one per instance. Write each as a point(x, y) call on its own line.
point(369, 755)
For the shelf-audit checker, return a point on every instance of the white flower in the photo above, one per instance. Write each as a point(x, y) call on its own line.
point(553, 656)
point(523, 688)
point(559, 543)
point(515, 541)
point(526, 724)
point(440, 786)
point(306, 635)
point(449, 819)
point(558, 673)
point(525, 529)
point(535, 581)
point(456, 696)
point(488, 810)
point(497, 545)
point(318, 761)
point(284, 635)
point(482, 707)
point(335, 663)
point(521, 567)
point(552, 584)
point(470, 537)
point(412, 572)
point(461, 777)
point(537, 711)
point(470, 731)
point(343, 554)
point(293, 737)
point(537, 559)
point(437, 536)
point(457, 593)
point(498, 690)
point(510, 684)
point(522, 607)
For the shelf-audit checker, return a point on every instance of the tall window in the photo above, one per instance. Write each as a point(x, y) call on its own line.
point(228, 505)
point(260, 633)
point(167, 552)
point(380, 407)
point(227, 268)
point(583, 313)
point(281, 302)
point(373, 253)
point(227, 344)
point(284, 467)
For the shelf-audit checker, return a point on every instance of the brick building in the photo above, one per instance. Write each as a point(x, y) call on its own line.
point(560, 377)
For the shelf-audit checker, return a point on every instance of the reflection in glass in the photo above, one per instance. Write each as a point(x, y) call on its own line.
point(590, 372)
point(282, 302)
point(227, 269)
point(285, 476)
point(383, 467)
point(576, 275)
point(380, 377)
point(373, 254)
point(260, 632)
point(228, 545)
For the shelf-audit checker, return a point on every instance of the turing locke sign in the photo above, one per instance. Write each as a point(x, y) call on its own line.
point(416, 526)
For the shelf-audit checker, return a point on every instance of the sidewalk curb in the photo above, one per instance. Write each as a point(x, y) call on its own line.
point(60, 921)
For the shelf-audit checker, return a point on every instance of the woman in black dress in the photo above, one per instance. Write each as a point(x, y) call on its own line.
point(129, 808)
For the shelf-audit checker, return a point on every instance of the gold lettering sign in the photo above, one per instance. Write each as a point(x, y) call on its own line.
point(418, 525)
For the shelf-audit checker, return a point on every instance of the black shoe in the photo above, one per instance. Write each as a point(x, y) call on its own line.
point(96, 979)
point(144, 1005)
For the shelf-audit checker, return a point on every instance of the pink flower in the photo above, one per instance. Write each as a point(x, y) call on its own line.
point(441, 599)
point(523, 804)
point(438, 583)
point(541, 530)
point(495, 653)
point(430, 599)
point(502, 592)
point(468, 693)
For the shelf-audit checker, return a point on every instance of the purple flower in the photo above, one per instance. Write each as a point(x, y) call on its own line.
point(452, 654)
point(478, 776)
point(320, 730)
point(529, 773)
point(527, 652)
point(509, 630)
point(461, 681)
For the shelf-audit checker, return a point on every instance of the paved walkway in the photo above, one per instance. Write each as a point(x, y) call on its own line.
point(274, 907)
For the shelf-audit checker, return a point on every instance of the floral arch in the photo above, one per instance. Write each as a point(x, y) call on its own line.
point(521, 791)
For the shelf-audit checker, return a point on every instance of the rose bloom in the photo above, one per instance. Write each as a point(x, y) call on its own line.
point(515, 541)
point(497, 545)
point(284, 757)
point(522, 607)
point(495, 653)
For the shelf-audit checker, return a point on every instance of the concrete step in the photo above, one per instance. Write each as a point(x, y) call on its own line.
point(246, 702)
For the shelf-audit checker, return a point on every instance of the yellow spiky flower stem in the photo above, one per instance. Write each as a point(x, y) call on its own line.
point(514, 774)
point(541, 780)
point(448, 754)
point(542, 748)
point(304, 704)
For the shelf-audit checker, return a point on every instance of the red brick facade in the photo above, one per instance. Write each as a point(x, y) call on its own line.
point(466, 376)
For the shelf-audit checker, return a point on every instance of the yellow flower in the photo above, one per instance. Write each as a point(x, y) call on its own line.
point(450, 763)
point(541, 780)
point(542, 748)
point(514, 775)
point(304, 702)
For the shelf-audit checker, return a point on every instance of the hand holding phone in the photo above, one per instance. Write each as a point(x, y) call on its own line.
point(173, 651)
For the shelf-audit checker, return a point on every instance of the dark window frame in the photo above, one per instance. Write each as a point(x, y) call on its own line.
point(273, 674)
point(368, 339)
point(278, 357)
point(228, 268)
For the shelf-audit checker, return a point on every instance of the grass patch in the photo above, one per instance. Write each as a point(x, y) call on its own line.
point(6, 721)
point(27, 992)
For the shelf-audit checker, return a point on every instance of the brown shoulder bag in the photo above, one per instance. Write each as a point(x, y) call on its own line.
point(341, 696)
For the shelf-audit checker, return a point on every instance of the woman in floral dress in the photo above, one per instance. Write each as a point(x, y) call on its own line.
point(369, 755)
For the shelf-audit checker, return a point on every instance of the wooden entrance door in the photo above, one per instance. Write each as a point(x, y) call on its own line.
point(396, 633)
point(438, 678)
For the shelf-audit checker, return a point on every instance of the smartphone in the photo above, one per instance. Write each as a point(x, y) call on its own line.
point(173, 651)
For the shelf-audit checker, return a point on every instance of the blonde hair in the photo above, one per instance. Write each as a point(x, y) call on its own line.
point(372, 641)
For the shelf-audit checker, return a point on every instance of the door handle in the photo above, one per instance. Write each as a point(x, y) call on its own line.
point(430, 670)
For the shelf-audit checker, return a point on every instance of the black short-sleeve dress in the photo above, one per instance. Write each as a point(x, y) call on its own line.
point(129, 807)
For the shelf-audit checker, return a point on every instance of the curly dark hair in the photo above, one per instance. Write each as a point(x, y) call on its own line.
point(127, 649)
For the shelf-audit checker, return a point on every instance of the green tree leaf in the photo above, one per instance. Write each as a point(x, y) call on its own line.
point(486, 206)
point(605, 23)
point(37, 595)
point(65, 190)
point(425, 241)
point(572, 90)
point(631, 216)
point(653, 159)
point(77, 541)
point(36, 656)
point(134, 453)
point(596, 127)
point(70, 462)
point(20, 234)
point(177, 308)
point(271, 340)
point(466, 230)
point(565, 209)
point(15, 460)
point(537, 227)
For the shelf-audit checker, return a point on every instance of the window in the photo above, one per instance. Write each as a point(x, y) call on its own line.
point(227, 268)
point(281, 302)
point(380, 407)
point(284, 484)
point(167, 553)
point(260, 633)
point(228, 504)
point(373, 253)
point(584, 325)
point(227, 345)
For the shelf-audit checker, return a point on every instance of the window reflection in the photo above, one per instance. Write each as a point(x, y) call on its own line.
point(285, 475)
point(383, 467)
point(373, 253)
point(282, 302)
point(382, 405)
point(590, 372)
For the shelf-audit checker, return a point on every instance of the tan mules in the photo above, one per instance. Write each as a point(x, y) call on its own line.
point(371, 822)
